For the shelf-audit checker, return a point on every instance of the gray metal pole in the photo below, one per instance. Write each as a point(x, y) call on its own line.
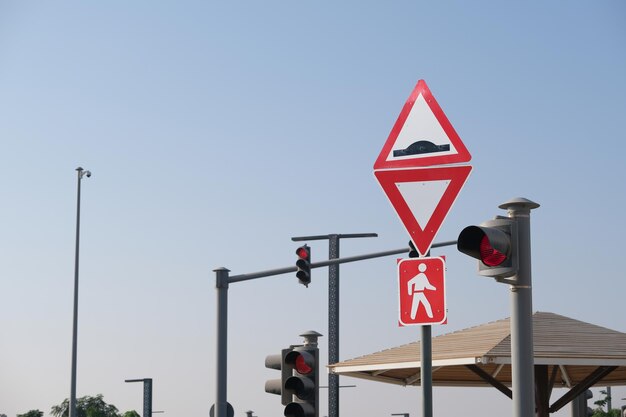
point(522, 356)
point(333, 310)
point(271, 272)
point(147, 397)
point(221, 284)
point(333, 325)
point(426, 371)
point(72, 410)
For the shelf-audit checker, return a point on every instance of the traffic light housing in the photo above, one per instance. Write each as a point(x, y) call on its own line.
point(303, 384)
point(413, 253)
point(495, 244)
point(298, 385)
point(304, 265)
point(276, 386)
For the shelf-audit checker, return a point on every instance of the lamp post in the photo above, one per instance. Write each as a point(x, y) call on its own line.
point(81, 172)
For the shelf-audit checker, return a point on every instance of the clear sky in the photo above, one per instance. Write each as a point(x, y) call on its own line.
point(216, 131)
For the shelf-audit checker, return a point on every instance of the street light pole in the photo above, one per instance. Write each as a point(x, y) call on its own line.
point(72, 412)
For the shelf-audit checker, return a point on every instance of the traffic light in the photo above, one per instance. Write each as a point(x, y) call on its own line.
point(276, 386)
point(304, 382)
point(299, 382)
point(495, 244)
point(304, 265)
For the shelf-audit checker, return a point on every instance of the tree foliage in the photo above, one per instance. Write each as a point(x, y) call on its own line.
point(86, 407)
point(31, 413)
point(601, 404)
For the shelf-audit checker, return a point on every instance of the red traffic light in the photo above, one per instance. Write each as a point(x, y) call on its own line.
point(490, 255)
point(494, 244)
point(302, 362)
point(301, 365)
point(303, 252)
point(303, 265)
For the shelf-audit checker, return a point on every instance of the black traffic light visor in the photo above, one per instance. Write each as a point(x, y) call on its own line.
point(470, 238)
point(301, 387)
point(299, 410)
point(302, 361)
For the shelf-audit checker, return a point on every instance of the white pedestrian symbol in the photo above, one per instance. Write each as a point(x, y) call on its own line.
point(416, 287)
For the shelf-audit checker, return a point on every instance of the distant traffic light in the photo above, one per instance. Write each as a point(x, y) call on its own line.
point(276, 386)
point(304, 265)
point(495, 244)
point(304, 383)
point(299, 382)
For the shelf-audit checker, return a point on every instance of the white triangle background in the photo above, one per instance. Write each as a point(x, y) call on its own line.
point(422, 198)
point(421, 124)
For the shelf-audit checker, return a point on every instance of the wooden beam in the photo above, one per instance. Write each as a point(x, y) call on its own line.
point(491, 380)
point(582, 386)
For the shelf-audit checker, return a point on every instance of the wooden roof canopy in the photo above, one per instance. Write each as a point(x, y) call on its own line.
point(567, 353)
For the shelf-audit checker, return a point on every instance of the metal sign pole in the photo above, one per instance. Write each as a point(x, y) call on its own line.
point(426, 371)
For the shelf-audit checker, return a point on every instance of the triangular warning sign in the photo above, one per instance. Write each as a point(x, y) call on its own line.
point(422, 135)
point(422, 198)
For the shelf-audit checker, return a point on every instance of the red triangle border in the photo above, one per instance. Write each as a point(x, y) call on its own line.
point(461, 156)
point(423, 237)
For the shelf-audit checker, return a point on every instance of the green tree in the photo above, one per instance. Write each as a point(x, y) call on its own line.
point(31, 413)
point(601, 404)
point(131, 413)
point(86, 407)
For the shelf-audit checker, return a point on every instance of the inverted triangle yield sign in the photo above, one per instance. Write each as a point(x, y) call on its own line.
point(422, 135)
point(422, 197)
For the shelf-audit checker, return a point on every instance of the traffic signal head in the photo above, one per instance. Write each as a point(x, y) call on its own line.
point(276, 386)
point(494, 244)
point(304, 382)
point(304, 265)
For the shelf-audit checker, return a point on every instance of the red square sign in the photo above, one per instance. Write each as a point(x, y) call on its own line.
point(422, 291)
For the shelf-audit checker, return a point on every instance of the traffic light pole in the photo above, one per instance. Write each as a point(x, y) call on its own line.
point(333, 311)
point(222, 282)
point(147, 395)
point(522, 356)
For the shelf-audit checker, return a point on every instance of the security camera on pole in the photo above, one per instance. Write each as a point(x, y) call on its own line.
point(72, 406)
